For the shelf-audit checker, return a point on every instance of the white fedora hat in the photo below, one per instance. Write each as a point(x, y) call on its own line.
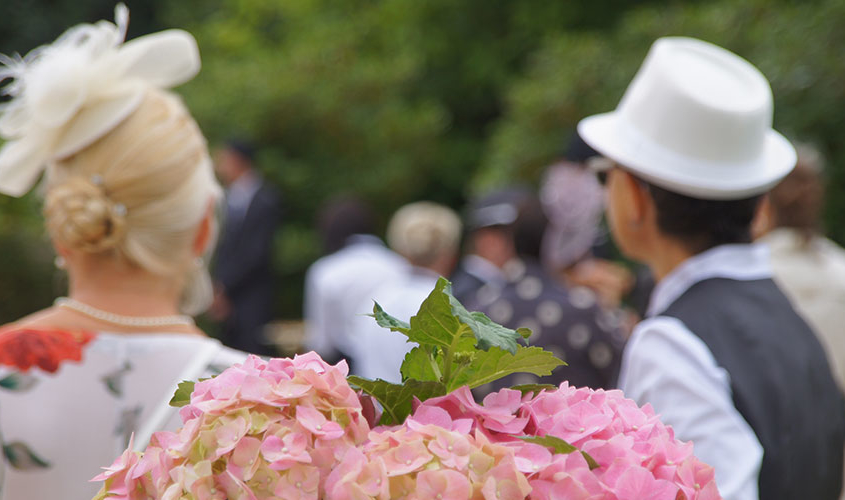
point(696, 120)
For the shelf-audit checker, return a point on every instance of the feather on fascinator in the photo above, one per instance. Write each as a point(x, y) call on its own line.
point(70, 93)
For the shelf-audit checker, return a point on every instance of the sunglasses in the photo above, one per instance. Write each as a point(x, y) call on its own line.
point(601, 166)
point(602, 177)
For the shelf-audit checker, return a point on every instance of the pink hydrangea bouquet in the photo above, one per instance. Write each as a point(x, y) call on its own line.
point(303, 429)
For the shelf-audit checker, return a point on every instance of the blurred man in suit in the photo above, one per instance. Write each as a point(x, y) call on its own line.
point(243, 272)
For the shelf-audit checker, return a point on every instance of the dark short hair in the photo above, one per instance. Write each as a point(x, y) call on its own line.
point(703, 224)
point(529, 228)
point(498, 208)
point(242, 147)
point(341, 218)
point(578, 151)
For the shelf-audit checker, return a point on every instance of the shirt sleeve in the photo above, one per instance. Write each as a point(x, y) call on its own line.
point(666, 365)
point(317, 337)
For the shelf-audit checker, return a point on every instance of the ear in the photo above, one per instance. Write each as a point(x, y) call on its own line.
point(205, 231)
point(60, 249)
point(631, 194)
point(764, 219)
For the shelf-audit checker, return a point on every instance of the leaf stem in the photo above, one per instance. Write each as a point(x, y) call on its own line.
point(455, 376)
point(447, 356)
point(434, 367)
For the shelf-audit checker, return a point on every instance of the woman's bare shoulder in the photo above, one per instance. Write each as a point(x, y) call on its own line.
point(45, 318)
point(58, 318)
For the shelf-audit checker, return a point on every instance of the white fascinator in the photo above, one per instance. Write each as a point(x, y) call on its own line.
point(70, 93)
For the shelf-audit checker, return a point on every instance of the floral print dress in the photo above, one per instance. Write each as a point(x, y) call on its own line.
point(58, 429)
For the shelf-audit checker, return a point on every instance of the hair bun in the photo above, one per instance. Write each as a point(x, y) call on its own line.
point(81, 216)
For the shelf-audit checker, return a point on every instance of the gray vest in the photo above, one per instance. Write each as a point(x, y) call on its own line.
point(780, 381)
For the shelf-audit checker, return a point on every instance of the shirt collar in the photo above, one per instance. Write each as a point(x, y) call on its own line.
point(240, 192)
point(743, 262)
point(423, 273)
point(483, 269)
point(364, 239)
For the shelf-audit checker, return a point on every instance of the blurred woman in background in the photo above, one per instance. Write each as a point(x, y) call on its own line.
point(129, 196)
point(809, 268)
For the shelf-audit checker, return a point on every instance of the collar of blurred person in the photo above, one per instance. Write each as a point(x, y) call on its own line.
point(483, 269)
point(241, 191)
point(364, 239)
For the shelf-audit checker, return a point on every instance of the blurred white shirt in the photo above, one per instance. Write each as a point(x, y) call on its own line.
point(381, 351)
point(337, 287)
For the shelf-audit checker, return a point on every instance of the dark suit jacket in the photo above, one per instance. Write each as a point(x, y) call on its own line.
point(244, 269)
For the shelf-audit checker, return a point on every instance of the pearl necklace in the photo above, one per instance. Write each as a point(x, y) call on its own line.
point(117, 319)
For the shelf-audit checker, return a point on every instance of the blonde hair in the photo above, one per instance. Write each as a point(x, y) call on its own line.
point(423, 231)
point(139, 194)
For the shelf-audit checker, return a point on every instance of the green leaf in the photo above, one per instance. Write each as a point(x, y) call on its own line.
point(436, 325)
point(420, 365)
point(22, 458)
point(458, 347)
point(397, 400)
point(18, 382)
point(559, 446)
point(533, 388)
point(182, 396)
point(488, 366)
point(385, 320)
point(524, 332)
point(443, 322)
point(487, 333)
point(590, 460)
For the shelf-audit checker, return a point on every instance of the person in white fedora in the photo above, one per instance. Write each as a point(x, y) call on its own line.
point(722, 355)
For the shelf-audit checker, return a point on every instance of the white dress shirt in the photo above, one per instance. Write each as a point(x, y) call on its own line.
point(381, 351)
point(336, 287)
point(668, 366)
point(239, 196)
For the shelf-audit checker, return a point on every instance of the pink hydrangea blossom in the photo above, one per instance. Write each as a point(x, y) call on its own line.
point(637, 456)
point(295, 429)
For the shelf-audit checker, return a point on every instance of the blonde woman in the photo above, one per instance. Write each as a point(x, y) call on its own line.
point(129, 193)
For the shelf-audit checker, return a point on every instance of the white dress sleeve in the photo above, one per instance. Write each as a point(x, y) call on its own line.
point(59, 429)
point(666, 365)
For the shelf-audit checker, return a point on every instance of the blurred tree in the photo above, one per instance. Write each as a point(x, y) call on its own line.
point(391, 99)
point(399, 100)
point(797, 46)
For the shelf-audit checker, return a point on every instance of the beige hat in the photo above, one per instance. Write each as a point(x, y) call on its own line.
point(68, 94)
point(696, 120)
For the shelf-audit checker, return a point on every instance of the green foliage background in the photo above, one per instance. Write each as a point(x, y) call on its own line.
point(400, 100)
